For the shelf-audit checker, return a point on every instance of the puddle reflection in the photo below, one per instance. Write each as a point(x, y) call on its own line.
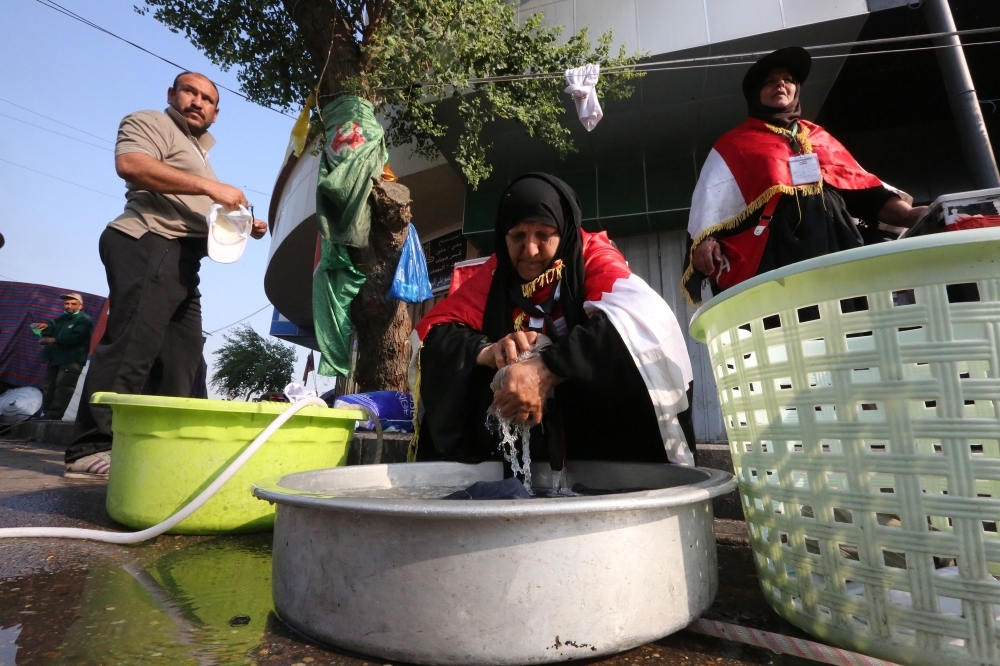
point(207, 603)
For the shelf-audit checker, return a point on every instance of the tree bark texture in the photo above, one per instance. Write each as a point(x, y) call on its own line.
point(381, 323)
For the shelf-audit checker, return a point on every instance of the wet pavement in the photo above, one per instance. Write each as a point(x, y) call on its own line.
point(207, 600)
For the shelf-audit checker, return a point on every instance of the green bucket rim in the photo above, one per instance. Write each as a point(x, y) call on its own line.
point(231, 406)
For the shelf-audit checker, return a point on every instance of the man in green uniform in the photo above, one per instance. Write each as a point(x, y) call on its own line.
point(67, 342)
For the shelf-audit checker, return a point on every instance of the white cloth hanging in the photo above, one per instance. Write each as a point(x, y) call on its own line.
point(582, 86)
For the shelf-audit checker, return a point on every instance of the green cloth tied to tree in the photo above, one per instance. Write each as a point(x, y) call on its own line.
point(335, 284)
point(353, 154)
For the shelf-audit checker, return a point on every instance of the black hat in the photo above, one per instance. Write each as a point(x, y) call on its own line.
point(793, 58)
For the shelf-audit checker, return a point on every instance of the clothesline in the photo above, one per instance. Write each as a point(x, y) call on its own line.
point(732, 59)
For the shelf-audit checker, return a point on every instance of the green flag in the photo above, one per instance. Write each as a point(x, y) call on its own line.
point(353, 154)
point(335, 284)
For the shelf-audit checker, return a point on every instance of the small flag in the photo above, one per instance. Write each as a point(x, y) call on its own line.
point(310, 367)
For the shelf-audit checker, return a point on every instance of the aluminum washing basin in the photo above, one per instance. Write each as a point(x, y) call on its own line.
point(433, 581)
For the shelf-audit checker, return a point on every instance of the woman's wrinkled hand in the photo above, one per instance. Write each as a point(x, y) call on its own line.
point(506, 350)
point(525, 388)
point(707, 257)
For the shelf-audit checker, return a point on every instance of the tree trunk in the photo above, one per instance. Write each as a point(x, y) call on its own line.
point(381, 323)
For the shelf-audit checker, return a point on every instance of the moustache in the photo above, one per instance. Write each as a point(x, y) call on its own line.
point(192, 109)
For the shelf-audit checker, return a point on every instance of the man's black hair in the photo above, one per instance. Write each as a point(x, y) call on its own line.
point(185, 73)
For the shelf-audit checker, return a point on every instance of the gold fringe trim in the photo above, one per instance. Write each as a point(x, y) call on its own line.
point(733, 222)
point(802, 137)
point(548, 277)
point(411, 450)
point(519, 323)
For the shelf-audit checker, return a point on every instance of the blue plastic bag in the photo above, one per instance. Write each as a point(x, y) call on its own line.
point(394, 409)
point(411, 284)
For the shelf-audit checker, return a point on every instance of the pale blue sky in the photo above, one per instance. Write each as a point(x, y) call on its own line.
point(75, 74)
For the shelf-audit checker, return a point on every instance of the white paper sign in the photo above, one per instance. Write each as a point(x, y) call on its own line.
point(805, 169)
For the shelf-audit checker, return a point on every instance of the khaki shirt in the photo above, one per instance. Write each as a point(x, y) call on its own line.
point(166, 137)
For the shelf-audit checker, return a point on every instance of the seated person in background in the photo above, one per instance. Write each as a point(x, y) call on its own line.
point(614, 381)
point(777, 189)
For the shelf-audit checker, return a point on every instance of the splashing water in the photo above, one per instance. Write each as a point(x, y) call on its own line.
point(509, 434)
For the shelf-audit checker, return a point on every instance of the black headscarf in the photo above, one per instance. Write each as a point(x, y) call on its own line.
point(538, 197)
point(797, 62)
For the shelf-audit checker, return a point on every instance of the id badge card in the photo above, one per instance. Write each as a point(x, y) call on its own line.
point(805, 169)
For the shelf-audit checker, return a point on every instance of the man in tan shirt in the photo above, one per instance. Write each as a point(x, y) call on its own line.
point(151, 254)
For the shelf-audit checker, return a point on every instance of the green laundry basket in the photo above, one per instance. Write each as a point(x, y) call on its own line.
point(167, 450)
point(861, 395)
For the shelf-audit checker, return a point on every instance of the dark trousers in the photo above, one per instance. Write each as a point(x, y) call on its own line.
point(155, 318)
point(60, 384)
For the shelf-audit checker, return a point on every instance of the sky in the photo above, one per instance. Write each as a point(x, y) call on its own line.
point(61, 68)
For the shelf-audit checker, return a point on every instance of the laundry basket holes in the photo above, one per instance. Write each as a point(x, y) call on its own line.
point(756, 388)
point(730, 365)
point(825, 412)
point(830, 446)
point(965, 292)
point(772, 322)
point(860, 341)
point(750, 360)
point(789, 415)
point(778, 507)
point(939, 523)
point(806, 511)
point(795, 446)
point(800, 478)
point(771, 476)
point(969, 331)
point(819, 379)
point(741, 419)
point(870, 411)
point(812, 546)
point(808, 313)
point(856, 304)
point(836, 480)
point(823, 613)
point(990, 526)
point(748, 447)
point(876, 446)
point(777, 354)
point(909, 335)
point(975, 449)
point(816, 347)
point(917, 370)
point(766, 446)
point(864, 375)
point(934, 484)
point(783, 538)
point(903, 297)
point(894, 559)
point(849, 551)
point(843, 516)
point(760, 417)
point(725, 339)
point(888, 520)
point(783, 383)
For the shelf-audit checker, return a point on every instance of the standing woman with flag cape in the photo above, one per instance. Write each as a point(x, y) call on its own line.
point(777, 189)
point(612, 386)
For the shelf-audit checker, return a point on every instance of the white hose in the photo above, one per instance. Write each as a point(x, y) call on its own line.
point(194, 505)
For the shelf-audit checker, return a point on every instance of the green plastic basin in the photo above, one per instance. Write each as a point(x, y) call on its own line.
point(167, 450)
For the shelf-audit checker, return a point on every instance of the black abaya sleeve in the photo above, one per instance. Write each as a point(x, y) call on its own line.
point(589, 353)
point(451, 390)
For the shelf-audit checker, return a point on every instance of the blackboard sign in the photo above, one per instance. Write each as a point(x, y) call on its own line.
point(442, 254)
